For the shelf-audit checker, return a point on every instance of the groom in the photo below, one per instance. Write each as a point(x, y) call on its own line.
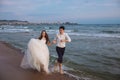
point(60, 39)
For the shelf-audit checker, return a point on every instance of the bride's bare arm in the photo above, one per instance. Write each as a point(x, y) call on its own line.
point(49, 43)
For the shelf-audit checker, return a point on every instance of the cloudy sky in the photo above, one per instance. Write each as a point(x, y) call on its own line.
point(80, 11)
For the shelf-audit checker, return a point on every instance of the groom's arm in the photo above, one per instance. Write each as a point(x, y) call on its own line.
point(68, 39)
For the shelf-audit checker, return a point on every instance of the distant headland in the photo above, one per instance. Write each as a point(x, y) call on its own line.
point(19, 22)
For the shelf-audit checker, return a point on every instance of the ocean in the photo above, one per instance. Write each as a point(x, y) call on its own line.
point(93, 54)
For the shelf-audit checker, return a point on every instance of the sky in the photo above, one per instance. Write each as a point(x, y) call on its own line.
point(76, 11)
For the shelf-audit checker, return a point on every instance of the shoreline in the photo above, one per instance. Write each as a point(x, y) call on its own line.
point(10, 59)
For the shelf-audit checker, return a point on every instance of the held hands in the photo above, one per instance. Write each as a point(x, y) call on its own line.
point(54, 42)
point(49, 44)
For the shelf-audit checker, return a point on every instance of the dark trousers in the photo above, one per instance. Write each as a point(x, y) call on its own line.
point(60, 52)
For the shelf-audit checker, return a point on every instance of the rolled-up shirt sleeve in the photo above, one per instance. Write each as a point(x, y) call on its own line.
point(55, 38)
point(68, 37)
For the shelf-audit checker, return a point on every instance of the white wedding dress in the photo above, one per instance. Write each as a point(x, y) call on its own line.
point(36, 56)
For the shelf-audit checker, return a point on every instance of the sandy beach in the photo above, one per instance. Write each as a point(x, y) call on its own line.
point(10, 59)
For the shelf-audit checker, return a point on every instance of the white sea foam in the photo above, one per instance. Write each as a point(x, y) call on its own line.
point(15, 30)
point(96, 35)
point(12, 29)
point(56, 31)
point(71, 32)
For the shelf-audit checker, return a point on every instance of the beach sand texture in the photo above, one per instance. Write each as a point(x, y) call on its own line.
point(10, 59)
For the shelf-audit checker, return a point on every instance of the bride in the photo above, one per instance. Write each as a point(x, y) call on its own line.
point(37, 54)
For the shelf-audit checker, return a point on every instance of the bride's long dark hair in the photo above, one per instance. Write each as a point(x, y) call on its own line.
point(46, 36)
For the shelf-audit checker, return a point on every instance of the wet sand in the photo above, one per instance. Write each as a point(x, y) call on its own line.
point(10, 59)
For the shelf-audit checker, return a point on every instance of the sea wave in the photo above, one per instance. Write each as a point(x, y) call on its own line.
point(12, 29)
point(74, 32)
point(86, 34)
point(110, 31)
point(51, 31)
point(96, 35)
point(15, 30)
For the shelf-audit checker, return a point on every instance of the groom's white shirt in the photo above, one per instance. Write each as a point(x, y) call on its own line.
point(60, 37)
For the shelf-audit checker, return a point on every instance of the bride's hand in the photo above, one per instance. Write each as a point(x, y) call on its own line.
point(49, 43)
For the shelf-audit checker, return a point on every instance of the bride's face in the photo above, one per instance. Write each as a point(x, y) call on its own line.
point(43, 34)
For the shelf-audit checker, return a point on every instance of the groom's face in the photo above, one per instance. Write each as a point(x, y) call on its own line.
point(61, 31)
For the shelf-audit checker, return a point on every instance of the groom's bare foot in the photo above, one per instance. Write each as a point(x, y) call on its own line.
point(61, 72)
point(55, 69)
point(56, 66)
